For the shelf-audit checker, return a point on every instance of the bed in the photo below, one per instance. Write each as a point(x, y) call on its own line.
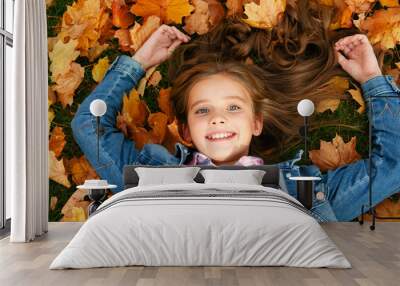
point(202, 222)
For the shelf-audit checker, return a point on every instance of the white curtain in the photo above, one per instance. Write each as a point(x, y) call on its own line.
point(26, 124)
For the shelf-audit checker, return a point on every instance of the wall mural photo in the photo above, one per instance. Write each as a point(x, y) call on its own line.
point(274, 40)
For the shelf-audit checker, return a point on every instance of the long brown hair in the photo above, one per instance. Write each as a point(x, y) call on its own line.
point(294, 60)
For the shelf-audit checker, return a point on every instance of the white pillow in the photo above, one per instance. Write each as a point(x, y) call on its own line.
point(249, 177)
point(161, 176)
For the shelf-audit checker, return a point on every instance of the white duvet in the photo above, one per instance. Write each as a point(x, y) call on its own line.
point(190, 230)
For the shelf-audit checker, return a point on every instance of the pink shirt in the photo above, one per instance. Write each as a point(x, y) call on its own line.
point(201, 159)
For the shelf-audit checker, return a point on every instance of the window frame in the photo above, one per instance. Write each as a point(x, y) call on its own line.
point(6, 39)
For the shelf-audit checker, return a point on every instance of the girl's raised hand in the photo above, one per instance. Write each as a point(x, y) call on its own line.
point(359, 59)
point(159, 46)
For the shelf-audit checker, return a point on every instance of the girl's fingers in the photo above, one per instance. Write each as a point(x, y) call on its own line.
point(180, 35)
point(174, 45)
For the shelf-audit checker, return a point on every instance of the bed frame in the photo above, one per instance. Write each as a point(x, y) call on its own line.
point(270, 179)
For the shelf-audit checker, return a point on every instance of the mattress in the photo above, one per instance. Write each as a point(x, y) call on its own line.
point(201, 225)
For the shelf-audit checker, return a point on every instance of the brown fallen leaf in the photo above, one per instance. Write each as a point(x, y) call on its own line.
point(143, 82)
point(121, 17)
point(332, 155)
point(265, 15)
point(154, 78)
point(53, 202)
point(75, 209)
point(342, 14)
point(387, 208)
point(165, 104)
point(235, 7)
point(198, 21)
point(383, 27)
point(57, 170)
point(67, 83)
point(325, 104)
point(360, 6)
point(136, 108)
point(140, 136)
point(81, 170)
point(57, 141)
point(207, 14)
point(96, 51)
point(124, 39)
point(172, 137)
point(169, 11)
point(51, 116)
point(357, 96)
point(158, 123)
point(337, 87)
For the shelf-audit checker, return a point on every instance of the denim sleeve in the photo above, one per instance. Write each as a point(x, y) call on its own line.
point(115, 150)
point(348, 185)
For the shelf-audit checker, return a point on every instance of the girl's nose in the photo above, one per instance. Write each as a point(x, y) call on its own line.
point(215, 121)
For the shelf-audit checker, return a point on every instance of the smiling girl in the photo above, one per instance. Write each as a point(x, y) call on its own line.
point(223, 106)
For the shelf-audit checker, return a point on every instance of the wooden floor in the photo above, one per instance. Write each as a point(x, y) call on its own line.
point(374, 255)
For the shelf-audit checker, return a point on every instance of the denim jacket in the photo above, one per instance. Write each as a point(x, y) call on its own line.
point(344, 189)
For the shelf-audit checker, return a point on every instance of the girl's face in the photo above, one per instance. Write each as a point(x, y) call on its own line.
point(221, 120)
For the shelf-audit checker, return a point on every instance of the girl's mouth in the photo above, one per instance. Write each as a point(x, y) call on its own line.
point(221, 136)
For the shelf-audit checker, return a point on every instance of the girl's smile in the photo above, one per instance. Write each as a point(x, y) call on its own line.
point(221, 120)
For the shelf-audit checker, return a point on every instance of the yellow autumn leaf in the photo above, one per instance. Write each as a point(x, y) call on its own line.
point(67, 83)
point(265, 15)
point(61, 57)
point(389, 3)
point(75, 209)
point(169, 11)
point(140, 33)
point(57, 170)
point(357, 96)
point(99, 69)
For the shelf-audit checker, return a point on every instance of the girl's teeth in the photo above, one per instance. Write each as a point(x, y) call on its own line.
point(221, 135)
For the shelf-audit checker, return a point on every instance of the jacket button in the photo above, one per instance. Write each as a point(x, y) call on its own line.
point(320, 196)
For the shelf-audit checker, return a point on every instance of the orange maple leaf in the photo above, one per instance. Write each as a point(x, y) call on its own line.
point(207, 13)
point(140, 33)
point(81, 170)
point(383, 27)
point(57, 141)
point(121, 17)
point(165, 104)
point(332, 155)
point(124, 39)
point(158, 123)
point(169, 11)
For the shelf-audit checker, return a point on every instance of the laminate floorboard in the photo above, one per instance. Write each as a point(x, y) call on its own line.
point(374, 255)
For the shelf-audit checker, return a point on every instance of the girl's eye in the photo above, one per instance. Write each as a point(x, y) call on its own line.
point(233, 107)
point(201, 110)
